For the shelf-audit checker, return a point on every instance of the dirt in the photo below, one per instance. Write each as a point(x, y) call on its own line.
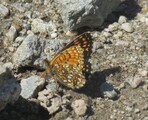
point(116, 61)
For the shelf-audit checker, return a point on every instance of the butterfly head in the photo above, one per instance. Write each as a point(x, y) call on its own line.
point(49, 69)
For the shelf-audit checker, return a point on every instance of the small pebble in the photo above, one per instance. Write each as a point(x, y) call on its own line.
point(145, 107)
point(122, 112)
point(11, 49)
point(69, 118)
point(38, 25)
point(19, 39)
point(79, 107)
point(44, 94)
point(113, 27)
point(122, 19)
point(54, 35)
point(135, 82)
point(71, 33)
point(107, 34)
point(129, 109)
point(29, 32)
point(137, 110)
point(108, 91)
point(113, 117)
point(143, 73)
point(146, 64)
point(118, 34)
point(121, 86)
point(145, 87)
point(122, 43)
point(127, 27)
point(4, 11)
point(12, 33)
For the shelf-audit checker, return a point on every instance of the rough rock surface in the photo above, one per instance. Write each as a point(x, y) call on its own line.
point(28, 51)
point(80, 13)
point(31, 86)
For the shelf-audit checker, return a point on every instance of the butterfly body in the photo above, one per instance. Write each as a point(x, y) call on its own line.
point(69, 65)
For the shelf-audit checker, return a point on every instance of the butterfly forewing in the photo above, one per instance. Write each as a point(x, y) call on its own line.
point(71, 63)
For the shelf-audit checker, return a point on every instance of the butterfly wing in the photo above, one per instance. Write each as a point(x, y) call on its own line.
point(71, 62)
point(67, 67)
point(85, 42)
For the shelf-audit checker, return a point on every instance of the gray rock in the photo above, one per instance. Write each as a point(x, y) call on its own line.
point(82, 13)
point(113, 27)
point(12, 33)
point(39, 25)
point(134, 81)
point(9, 88)
point(31, 86)
point(4, 11)
point(122, 19)
point(27, 52)
point(108, 91)
point(127, 27)
point(79, 107)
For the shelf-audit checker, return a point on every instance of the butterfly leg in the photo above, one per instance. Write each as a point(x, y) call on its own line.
point(57, 85)
point(43, 74)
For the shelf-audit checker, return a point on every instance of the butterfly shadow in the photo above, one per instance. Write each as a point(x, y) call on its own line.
point(95, 80)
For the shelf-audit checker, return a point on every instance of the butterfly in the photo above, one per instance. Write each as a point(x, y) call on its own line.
point(70, 65)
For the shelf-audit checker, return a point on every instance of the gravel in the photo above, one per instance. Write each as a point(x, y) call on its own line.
point(32, 31)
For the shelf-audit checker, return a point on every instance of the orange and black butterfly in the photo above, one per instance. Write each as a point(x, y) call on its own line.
point(69, 66)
